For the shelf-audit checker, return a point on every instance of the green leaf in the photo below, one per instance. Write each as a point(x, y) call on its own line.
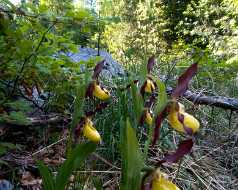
point(47, 177)
point(97, 183)
point(3, 150)
point(19, 105)
point(18, 118)
point(137, 101)
point(8, 145)
point(162, 98)
point(131, 160)
point(3, 163)
point(75, 159)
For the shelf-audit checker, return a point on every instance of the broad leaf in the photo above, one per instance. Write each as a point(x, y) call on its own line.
point(131, 160)
point(77, 156)
point(160, 110)
point(162, 96)
point(137, 101)
point(47, 177)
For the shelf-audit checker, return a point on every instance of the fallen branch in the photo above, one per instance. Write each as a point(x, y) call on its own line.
point(46, 119)
point(217, 101)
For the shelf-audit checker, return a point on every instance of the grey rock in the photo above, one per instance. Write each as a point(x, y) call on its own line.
point(5, 185)
point(111, 68)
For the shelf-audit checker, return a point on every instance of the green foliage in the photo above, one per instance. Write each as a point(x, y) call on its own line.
point(18, 112)
point(73, 162)
point(47, 177)
point(212, 25)
point(33, 43)
point(4, 147)
point(137, 101)
point(162, 99)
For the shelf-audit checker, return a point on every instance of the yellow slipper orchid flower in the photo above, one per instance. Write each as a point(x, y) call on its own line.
point(90, 132)
point(181, 107)
point(149, 86)
point(100, 93)
point(148, 117)
point(159, 182)
point(187, 121)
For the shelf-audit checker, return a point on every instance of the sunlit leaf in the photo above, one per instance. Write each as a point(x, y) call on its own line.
point(160, 110)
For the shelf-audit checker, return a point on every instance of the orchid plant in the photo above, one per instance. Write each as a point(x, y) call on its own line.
point(155, 108)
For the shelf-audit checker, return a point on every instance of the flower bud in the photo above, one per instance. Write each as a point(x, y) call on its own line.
point(90, 132)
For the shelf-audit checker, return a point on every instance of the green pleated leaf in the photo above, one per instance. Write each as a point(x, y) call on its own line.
point(137, 101)
point(162, 96)
point(47, 177)
point(74, 161)
point(131, 160)
point(160, 109)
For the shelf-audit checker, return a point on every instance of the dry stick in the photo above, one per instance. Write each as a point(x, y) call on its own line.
point(49, 146)
point(217, 101)
point(29, 57)
point(94, 154)
point(98, 171)
point(30, 100)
